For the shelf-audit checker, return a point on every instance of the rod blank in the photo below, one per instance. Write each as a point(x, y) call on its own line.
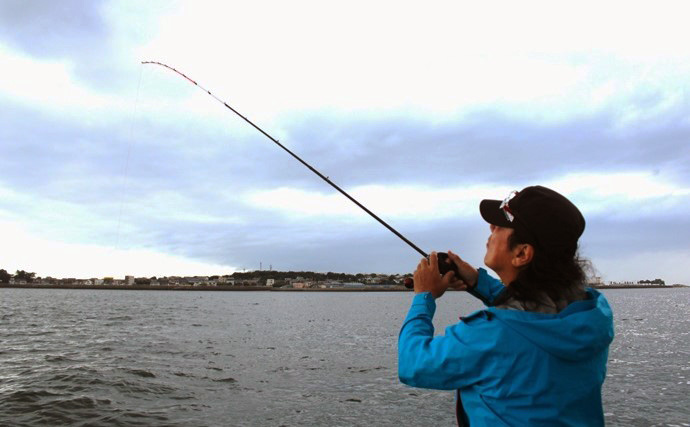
point(310, 167)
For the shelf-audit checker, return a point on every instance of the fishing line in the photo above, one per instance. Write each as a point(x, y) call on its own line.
point(310, 167)
point(125, 168)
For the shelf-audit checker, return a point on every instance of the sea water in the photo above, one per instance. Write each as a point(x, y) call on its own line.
point(193, 358)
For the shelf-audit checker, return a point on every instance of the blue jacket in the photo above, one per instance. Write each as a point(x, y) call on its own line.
point(512, 367)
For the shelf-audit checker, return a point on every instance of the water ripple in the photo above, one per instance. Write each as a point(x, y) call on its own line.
point(128, 358)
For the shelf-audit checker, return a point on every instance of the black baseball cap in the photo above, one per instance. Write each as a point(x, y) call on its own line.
point(548, 218)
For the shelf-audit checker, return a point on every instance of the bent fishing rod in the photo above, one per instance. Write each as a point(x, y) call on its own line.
point(442, 256)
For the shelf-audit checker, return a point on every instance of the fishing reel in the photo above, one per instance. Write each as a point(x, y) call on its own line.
point(444, 266)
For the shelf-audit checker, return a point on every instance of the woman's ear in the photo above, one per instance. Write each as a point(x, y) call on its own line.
point(522, 255)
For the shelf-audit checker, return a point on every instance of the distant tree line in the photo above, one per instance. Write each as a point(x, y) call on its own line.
point(19, 275)
point(310, 275)
point(279, 276)
point(653, 282)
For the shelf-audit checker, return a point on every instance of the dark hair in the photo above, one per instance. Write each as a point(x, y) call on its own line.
point(557, 274)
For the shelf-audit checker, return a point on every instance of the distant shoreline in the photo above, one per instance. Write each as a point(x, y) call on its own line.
point(210, 288)
point(270, 289)
point(641, 287)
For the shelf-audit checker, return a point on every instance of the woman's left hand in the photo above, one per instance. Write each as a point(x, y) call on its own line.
point(427, 278)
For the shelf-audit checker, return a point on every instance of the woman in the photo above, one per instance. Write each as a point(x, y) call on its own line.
point(537, 354)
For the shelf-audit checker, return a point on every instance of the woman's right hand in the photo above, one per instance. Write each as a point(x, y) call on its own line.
point(468, 274)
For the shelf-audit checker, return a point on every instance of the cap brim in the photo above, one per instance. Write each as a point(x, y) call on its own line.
point(492, 213)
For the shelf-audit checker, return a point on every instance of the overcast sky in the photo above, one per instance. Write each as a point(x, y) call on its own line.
point(418, 109)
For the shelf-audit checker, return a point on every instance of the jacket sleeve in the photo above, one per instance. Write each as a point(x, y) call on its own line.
point(445, 362)
point(487, 288)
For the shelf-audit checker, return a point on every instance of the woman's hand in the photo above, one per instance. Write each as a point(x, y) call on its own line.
point(427, 277)
point(468, 274)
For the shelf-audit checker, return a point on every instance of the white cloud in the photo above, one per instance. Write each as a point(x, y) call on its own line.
point(49, 84)
point(437, 58)
point(394, 202)
point(629, 194)
point(22, 250)
point(401, 202)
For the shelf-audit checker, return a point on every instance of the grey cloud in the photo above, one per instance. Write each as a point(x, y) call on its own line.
point(80, 32)
point(46, 157)
point(368, 247)
point(313, 246)
point(505, 151)
point(605, 236)
point(79, 159)
point(53, 28)
point(487, 146)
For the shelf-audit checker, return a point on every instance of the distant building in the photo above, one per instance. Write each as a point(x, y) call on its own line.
point(270, 282)
point(196, 280)
point(353, 285)
point(129, 280)
point(302, 285)
point(595, 282)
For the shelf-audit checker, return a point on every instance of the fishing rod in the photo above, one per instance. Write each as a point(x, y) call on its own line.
point(443, 265)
